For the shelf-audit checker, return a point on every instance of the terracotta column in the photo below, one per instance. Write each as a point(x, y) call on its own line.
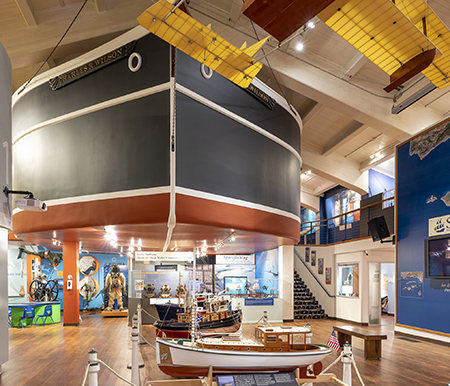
point(71, 297)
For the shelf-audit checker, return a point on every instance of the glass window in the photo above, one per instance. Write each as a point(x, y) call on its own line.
point(305, 216)
point(348, 280)
point(340, 203)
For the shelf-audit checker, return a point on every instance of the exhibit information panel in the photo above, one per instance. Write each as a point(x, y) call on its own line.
point(279, 379)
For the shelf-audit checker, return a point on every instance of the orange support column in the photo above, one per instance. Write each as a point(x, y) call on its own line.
point(70, 274)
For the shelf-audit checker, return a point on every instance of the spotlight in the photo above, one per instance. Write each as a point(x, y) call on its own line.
point(310, 24)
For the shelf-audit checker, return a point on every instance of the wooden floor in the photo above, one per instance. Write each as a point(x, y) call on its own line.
point(57, 355)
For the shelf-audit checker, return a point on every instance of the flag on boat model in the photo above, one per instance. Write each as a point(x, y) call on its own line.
point(333, 342)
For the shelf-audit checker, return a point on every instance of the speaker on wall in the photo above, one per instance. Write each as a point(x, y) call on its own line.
point(378, 228)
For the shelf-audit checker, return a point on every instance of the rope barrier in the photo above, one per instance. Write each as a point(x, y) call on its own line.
point(110, 369)
point(336, 361)
point(149, 314)
point(357, 371)
point(85, 374)
point(146, 341)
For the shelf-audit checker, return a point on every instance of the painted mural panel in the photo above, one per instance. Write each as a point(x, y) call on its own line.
point(423, 193)
point(267, 270)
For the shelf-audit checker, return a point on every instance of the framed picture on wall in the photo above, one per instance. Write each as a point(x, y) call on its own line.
point(307, 254)
point(313, 258)
point(320, 266)
point(328, 275)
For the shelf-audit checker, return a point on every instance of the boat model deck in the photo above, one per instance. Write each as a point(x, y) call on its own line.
point(268, 339)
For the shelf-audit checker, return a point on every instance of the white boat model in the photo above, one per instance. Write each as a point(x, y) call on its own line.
point(274, 349)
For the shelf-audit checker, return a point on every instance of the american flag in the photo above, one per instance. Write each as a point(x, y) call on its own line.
point(333, 342)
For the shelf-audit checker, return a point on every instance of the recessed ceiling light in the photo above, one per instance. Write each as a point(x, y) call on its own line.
point(299, 46)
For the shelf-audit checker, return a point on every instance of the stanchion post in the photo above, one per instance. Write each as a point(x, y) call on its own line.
point(94, 368)
point(308, 334)
point(139, 316)
point(134, 325)
point(347, 361)
point(134, 356)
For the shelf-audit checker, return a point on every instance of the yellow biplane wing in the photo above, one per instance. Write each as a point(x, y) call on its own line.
point(196, 40)
point(429, 23)
point(379, 30)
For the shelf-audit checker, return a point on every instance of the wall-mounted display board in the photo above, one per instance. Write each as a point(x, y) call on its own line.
point(423, 205)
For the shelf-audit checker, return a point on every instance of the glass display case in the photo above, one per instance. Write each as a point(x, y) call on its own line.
point(157, 284)
point(348, 280)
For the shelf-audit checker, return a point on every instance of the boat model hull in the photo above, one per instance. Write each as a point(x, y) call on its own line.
point(185, 360)
point(174, 329)
point(168, 311)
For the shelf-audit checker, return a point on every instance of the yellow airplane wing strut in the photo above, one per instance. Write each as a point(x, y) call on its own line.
point(198, 41)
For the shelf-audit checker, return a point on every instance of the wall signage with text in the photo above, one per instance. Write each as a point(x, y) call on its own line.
point(439, 226)
point(235, 259)
point(89, 67)
point(163, 256)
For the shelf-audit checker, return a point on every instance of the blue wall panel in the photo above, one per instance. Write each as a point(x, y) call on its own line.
point(422, 182)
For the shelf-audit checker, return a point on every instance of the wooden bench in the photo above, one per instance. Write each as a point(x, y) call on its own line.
point(372, 340)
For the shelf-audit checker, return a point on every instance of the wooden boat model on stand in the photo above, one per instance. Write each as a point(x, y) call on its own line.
point(274, 349)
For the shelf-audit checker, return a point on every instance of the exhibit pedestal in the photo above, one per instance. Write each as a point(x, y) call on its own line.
point(123, 313)
point(253, 309)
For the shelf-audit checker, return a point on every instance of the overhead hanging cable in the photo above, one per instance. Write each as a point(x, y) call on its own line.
point(54, 49)
point(271, 70)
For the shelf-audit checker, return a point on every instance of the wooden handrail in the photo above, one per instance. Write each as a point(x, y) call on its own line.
point(351, 211)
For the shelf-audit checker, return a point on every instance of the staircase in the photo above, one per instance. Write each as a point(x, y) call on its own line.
point(305, 304)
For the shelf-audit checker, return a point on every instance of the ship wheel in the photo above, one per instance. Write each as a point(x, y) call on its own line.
point(51, 290)
point(36, 290)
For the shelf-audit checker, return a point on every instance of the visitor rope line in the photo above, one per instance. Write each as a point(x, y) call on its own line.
point(149, 314)
point(109, 368)
point(146, 341)
point(86, 374)
point(336, 361)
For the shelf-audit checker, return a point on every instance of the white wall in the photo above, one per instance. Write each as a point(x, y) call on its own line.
point(286, 280)
point(388, 275)
point(363, 252)
point(5, 176)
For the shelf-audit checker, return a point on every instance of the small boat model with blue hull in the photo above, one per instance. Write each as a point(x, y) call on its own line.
point(168, 311)
point(274, 349)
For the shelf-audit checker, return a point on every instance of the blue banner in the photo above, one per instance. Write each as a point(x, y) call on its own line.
point(259, 302)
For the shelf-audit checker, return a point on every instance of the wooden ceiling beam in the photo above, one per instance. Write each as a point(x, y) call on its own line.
point(344, 137)
point(27, 12)
point(313, 110)
point(383, 155)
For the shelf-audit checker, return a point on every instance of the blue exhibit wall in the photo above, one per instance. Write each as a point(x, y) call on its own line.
point(422, 182)
point(105, 262)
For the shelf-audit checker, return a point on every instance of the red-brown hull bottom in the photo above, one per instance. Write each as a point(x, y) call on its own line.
point(181, 371)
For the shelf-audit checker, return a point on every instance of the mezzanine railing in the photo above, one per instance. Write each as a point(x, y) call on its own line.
point(347, 226)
